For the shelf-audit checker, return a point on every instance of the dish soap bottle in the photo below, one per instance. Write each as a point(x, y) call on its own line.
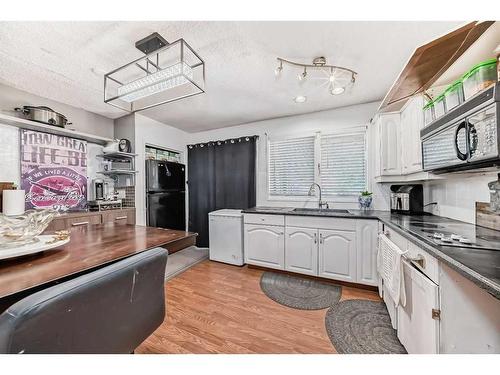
point(494, 187)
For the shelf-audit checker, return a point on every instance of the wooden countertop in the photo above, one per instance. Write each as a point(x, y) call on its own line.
point(90, 247)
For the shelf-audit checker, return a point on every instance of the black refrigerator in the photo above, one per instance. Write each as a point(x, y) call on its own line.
point(165, 194)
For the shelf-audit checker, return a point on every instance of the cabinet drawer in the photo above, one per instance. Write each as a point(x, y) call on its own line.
point(264, 219)
point(119, 217)
point(57, 224)
point(84, 220)
point(428, 265)
point(321, 222)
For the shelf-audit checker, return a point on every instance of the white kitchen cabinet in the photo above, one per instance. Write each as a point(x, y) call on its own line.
point(470, 316)
point(390, 144)
point(337, 254)
point(418, 329)
point(366, 251)
point(412, 122)
point(265, 245)
point(301, 250)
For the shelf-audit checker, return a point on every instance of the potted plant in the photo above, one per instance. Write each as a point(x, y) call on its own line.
point(365, 200)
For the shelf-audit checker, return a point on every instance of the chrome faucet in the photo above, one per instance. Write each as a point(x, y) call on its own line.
point(321, 204)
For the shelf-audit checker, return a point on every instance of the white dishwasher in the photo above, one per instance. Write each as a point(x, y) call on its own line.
point(225, 229)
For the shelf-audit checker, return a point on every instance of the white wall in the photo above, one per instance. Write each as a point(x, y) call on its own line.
point(457, 194)
point(308, 124)
point(154, 133)
point(81, 119)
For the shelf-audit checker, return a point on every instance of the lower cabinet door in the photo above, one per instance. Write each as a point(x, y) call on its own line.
point(301, 250)
point(337, 254)
point(417, 330)
point(366, 236)
point(265, 246)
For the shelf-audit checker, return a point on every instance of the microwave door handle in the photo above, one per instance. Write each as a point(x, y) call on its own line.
point(460, 154)
point(472, 139)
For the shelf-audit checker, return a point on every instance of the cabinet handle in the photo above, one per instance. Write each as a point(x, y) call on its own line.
point(120, 217)
point(419, 260)
point(315, 238)
point(79, 223)
point(321, 238)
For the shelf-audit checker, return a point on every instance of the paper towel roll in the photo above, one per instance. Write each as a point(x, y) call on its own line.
point(13, 202)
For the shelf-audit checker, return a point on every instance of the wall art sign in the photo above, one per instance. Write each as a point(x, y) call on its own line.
point(53, 171)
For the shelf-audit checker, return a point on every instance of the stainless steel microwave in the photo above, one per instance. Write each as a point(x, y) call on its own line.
point(466, 137)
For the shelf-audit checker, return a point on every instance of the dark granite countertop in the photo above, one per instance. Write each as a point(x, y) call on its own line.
point(478, 265)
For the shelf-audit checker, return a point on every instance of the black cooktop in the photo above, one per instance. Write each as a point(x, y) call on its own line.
point(455, 233)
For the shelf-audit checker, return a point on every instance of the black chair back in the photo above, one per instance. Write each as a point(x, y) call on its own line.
point(110, 310)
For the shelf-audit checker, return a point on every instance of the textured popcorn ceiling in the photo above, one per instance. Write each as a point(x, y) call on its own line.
point(66, 61)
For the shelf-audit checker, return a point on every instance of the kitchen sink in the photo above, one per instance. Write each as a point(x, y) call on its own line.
point(322, 210)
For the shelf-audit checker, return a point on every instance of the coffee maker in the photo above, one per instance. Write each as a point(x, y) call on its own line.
point(98, 187)
point(407, 199)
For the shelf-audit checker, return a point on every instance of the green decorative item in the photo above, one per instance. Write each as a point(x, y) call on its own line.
point(365, 200)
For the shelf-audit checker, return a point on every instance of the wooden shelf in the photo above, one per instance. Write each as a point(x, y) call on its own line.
point(51, 129)
point(481, 50)
point(441, 61)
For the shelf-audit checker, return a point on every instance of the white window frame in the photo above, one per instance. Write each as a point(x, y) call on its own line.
point(338, 198)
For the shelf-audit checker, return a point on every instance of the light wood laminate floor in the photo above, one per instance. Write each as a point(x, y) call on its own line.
point(218, 308)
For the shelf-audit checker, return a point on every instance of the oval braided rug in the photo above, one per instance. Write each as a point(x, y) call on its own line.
point(299, 293)
point(362, 327)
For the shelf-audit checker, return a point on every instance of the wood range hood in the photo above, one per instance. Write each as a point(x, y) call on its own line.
point(429, 62)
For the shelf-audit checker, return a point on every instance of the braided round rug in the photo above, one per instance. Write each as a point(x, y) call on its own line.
point(362, 327)
point(298, 292)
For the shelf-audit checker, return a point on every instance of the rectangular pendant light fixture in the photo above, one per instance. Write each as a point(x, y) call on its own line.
point(172, 72)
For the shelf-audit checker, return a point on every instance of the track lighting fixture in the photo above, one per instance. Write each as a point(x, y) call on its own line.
point(337, 77)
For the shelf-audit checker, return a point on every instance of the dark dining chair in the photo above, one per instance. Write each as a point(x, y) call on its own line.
point(110, 310)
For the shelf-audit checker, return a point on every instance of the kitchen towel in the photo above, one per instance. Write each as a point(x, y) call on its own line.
point(390, 270)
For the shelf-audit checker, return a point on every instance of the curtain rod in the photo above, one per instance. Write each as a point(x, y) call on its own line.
point(231, 140)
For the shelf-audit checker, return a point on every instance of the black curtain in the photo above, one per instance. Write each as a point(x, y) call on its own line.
point(221, 174)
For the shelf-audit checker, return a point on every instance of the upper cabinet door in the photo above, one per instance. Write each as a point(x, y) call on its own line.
point(390, 144)
point(337, 254)
point(412, 122)
point(301, 250)
point(265, 246)
point(366, 236)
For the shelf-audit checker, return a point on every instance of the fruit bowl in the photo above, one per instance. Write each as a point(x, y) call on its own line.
point(23, 229)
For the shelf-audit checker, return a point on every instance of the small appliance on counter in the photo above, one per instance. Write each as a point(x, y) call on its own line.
point(407, 199)
point(98, 189)
point(494, 187)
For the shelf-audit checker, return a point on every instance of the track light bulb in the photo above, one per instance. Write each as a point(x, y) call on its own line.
point(337, 90)
point(302, 76)
point(277, 71)
point(300, 99)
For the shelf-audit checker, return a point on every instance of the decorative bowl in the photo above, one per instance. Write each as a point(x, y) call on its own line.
point(23, 229)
